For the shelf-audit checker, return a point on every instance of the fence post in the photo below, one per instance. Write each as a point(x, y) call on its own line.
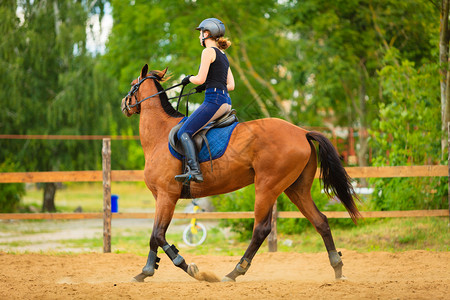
point(106, 163)
point(273, 233)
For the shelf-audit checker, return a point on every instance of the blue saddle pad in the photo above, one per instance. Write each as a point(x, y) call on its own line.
point(218, 139)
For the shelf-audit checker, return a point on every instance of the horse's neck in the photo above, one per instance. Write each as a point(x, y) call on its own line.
point(154, 126)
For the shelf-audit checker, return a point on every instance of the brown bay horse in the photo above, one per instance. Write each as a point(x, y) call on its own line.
point(276, 156)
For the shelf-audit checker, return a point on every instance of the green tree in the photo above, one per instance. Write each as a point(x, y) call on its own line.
point(342, 44)
point(51, 86)
point(407, 133)
point(10, 194)
point(444, 40)
point(163, 34)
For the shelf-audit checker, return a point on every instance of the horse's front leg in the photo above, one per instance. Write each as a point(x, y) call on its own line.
point(165, 207)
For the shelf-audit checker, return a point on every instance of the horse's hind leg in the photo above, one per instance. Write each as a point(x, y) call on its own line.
point(300, 194)
point(261, 229)
point(320, 223)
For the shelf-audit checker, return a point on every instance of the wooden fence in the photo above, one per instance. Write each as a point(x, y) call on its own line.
point(107, 176)
point(135, 175)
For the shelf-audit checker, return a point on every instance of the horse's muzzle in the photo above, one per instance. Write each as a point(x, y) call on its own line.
point(125, 108)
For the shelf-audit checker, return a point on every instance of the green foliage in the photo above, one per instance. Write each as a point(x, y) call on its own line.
point(407, 115)
point(407, 133)
point(51, 86)
point(410, 193)
point(244, 199)
point(162, 34)
point(241, 200)
point(10, 193)
point(355, 63)
point(342, 45)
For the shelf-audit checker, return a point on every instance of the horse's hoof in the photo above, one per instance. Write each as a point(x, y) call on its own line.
point(192, 270)
point(338, 271)
point(228, 279)
point(148, 271)
point(342, 278)
point(139, 278)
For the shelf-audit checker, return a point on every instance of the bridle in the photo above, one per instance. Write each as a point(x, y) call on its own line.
point(135, 88)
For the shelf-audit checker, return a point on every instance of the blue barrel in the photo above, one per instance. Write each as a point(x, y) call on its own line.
point(114, 203)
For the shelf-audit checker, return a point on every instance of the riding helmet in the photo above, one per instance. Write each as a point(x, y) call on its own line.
point(213, 25)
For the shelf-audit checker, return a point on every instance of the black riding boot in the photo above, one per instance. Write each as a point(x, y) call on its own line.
point(190, 152)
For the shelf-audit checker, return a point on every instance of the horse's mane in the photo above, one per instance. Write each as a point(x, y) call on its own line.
point(168, 108)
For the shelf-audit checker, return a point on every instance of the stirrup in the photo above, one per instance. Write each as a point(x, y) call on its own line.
point(187, 177)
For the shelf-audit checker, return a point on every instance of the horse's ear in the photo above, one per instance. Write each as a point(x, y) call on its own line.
point(144, 71)
point(162, 73)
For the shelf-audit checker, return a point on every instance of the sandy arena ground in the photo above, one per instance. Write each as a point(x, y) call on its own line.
point(375, 275)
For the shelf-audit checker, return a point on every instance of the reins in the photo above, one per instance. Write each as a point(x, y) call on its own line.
point(136, 87)
point(187, 99)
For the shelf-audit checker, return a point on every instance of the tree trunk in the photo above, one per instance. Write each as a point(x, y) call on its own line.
point(443, 61)
point(56, 15)
point(250, 70)
point(362, 153)
point(236, 65)
point(49, 197)
point(363, 140)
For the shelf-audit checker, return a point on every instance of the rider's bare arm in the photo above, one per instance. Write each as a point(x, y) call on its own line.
point(208, 57)
point(230, 80)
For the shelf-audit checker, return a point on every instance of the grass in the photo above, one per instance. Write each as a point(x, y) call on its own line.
point(133, 197)
point(89, 196)
point(392, 235)
point(126, 240)
point(16, 244)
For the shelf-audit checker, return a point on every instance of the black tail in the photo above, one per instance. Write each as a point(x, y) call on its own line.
point(335, 178)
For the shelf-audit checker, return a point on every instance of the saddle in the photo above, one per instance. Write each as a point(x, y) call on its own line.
point(200, 137)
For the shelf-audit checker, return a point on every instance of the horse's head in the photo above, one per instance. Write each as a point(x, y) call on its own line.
point(131, 103)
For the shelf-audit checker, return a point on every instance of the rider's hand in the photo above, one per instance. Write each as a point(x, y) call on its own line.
point(200, 88)
point(186, 80)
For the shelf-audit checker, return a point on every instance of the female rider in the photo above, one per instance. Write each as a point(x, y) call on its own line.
point(216, 77)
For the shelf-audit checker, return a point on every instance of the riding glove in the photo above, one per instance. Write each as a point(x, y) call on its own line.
point(186, 80)
point(200, 88)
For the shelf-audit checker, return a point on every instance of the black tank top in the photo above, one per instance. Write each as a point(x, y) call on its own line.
point(218, 72)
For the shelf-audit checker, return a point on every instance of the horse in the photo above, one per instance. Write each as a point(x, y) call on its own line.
point(274, 155)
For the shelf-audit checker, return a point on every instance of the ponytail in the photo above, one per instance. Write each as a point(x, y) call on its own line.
point(223, 43)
